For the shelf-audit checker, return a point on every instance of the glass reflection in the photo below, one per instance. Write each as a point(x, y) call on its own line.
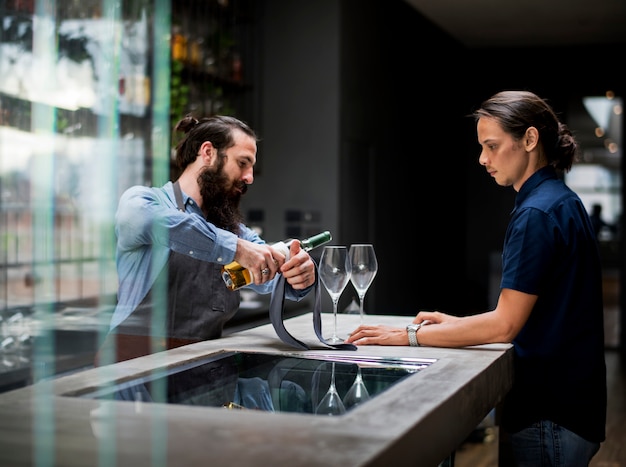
point(258, 381)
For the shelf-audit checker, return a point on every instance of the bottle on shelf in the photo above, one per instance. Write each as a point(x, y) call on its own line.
point(236, 276)
point(179, 44)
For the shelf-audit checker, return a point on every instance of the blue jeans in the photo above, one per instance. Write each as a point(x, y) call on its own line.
point(548, 444)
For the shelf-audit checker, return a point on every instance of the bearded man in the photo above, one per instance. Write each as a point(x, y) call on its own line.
point(172, 242)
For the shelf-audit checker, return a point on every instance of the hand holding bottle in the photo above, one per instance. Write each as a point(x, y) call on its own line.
point(299, 271)
point(255, 263)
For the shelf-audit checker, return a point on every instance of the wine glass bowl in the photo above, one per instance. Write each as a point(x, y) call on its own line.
point(364, 267)
point(334, 271)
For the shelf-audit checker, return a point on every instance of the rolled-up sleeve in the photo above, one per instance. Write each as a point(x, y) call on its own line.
point(147, 216)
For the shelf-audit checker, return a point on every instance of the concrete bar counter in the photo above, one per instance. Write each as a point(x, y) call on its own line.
point(418, 421)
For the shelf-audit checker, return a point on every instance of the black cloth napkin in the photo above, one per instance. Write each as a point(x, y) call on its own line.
point(277, 308)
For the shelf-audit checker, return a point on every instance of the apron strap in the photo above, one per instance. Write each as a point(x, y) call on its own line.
point(179, 196)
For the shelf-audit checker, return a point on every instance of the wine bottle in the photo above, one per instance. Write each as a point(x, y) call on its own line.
point(236, 276)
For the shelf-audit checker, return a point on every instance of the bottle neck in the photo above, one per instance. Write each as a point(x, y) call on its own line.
point(315, 241)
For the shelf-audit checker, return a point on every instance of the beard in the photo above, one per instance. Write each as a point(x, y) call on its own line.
point(220, 199)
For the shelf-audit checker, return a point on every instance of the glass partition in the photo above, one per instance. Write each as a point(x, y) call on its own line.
point(84, 113)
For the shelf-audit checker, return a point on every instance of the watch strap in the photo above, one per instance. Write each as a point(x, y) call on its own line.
point(412, 331)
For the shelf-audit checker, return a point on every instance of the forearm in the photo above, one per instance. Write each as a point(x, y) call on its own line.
point(483, 328)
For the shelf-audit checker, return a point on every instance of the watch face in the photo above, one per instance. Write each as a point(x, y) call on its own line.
point(412, 327)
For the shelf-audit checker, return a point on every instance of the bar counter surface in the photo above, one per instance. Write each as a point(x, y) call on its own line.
point(418, 421)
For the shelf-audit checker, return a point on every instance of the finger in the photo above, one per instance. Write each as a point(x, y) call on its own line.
point(294, 249)
point(300, 281)
point(265, 274)
point(278, 258)
point(272, 266)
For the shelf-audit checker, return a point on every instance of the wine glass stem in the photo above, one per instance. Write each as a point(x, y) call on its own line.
point(335, 305)
point(361, 311)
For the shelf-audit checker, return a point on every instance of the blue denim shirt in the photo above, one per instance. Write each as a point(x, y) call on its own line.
point(148, 225)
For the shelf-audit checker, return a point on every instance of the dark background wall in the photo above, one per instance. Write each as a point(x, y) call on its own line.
point(364, 119)
point(403, 153)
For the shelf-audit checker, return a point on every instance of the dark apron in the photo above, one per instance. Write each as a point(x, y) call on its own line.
point(196, 307)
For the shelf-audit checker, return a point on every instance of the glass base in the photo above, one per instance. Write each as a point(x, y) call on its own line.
point(335, 340)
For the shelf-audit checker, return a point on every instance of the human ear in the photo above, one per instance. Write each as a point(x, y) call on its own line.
point(531, 138)
point(207, 152)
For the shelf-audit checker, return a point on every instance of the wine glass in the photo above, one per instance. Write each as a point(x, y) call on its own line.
point(334, 270)
point(357, 393)
point(364, 268)
point(331, 403)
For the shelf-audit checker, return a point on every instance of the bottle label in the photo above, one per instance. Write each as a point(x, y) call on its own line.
point(236, 276)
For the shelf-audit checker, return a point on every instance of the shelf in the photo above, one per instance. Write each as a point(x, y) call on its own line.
point(213, 69)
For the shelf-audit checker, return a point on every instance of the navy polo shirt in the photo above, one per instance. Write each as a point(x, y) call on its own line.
point(550, 250)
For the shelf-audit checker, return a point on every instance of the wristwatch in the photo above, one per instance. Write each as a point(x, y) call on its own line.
point(412, 329)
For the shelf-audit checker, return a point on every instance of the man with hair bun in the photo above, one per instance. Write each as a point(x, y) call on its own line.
point(173, 240)
point(550, 305)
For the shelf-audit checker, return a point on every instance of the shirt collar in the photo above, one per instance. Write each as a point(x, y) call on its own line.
point(545, 173)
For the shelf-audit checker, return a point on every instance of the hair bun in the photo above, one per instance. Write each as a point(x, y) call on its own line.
point(187, 123)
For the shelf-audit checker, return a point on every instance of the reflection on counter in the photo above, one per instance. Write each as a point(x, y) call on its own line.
point(268, 382)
